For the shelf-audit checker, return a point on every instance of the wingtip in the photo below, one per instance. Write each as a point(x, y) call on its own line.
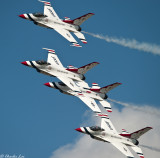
point(95, 62)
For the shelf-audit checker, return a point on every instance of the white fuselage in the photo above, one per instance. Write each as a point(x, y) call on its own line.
point(51, 23)
point(107, 137)
point(84, 91)
point(54, 71)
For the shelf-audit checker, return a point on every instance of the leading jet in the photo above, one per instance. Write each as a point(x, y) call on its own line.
point(49, 19)
point(53, 67)
point(107, 133)
point(89, 95)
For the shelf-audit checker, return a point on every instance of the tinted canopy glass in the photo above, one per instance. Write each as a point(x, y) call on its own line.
point(42, 62)
point(39, 15)
point(61, 83)
point(96, 128)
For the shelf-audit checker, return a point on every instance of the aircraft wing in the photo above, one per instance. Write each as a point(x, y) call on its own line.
point(90, 103)
point(49, 11)
point(53, 58)
point(107, 124)
point(66, 34)
point(69, 82)
point(123, 148)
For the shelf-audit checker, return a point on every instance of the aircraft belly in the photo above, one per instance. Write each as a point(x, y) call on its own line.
point(62, 72)
point(51, 72)
point(93, 96)
point(61, 25)
point(120, 140)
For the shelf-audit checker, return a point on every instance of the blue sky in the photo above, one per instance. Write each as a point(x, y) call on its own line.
point(36, 120)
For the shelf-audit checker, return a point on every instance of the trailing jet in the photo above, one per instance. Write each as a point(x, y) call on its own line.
point(53, 67)
point(50, 19)
point(87, 94)
point(108, 133)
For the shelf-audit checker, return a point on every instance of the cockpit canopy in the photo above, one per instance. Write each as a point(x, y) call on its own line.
point(42, 62)
point(61, 84)
point(39, 15)
point(96, 128)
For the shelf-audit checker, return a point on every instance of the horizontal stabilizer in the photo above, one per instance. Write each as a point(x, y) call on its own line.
point(138, 151)
point(81, 37)
point(106, 105)
point(123, 148)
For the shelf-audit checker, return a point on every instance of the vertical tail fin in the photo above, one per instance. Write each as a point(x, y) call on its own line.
point(82, 70)
point(136, 134)
point(80, 20)
point(106, 89)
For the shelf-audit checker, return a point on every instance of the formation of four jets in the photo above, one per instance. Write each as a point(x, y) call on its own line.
point(72, 81)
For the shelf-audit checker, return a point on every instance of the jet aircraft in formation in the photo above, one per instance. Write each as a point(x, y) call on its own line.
point(87, 94)
point(50, 19)
point(72, 81)
point(53, 67)
point(107, 133)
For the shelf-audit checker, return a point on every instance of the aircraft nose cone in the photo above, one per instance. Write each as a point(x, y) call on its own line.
point(24, 63)
point(22, 16)
point(47, 84)
point(78, 129)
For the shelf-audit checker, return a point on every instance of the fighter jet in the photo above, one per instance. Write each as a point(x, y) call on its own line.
point(50, 19)
point(107, 133)
point(87, 94)
point(53, 67)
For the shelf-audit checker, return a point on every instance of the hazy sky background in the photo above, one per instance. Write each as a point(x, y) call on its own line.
point(36, 120)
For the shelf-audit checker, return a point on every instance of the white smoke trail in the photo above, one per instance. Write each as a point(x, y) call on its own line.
point(151, 148)
point(146, 109)
point(130, 43)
